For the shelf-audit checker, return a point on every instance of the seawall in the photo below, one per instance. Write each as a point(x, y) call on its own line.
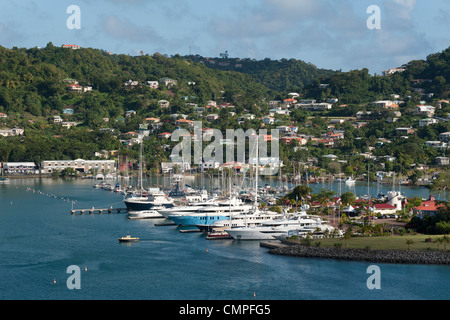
point(369, 255)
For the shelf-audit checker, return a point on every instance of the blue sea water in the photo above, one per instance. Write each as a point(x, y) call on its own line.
point(40, 239)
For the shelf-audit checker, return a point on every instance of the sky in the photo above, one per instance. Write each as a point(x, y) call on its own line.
point(331, 34)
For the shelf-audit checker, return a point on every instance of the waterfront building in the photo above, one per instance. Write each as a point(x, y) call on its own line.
point(19, 167)
point(79, 165)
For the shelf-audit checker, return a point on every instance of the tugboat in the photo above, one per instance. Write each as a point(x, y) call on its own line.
point(128, 238)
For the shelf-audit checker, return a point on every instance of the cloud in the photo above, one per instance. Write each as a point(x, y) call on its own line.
point(125, 30)
point(328, 33)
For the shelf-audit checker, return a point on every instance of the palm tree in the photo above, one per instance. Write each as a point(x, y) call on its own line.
point(445, 239)
point(409, 242)
point(438, 241)
point(347, 235)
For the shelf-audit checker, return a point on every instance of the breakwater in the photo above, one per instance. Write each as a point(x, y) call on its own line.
point(369, 255)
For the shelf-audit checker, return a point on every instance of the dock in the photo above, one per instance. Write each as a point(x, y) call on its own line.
point(272, 244)
point(165, 223)
point(189, 230)
point(98, 211)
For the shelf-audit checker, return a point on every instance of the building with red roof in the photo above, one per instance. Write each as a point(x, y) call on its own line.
point(427, 208)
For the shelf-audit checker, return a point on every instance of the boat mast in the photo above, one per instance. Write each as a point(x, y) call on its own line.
point(140, 167)
point(256, 175)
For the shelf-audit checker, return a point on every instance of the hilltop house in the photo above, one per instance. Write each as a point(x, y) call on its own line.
point(152, 84)
point(57, 119)
point(68, 111)
point(163, 104)
point(212, 117)
point(181, 122)
point(425, 110)
point(444, 137)
point(74, 87)
point(12, 132)
point(168, 82)
point(427, 122)
point(71, 46)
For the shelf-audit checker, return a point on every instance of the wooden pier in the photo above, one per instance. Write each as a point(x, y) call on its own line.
point(98, 211)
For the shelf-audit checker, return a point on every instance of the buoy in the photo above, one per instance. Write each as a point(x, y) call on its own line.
point(54, 281)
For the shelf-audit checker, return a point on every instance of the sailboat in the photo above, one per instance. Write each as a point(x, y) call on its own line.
point(350, 181)
point(142, 202)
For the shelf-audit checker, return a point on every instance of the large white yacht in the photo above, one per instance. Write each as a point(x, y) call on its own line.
point(201, 213)
point(250, 219)
point(146, 214)
point(142, 203)
point(272, 230)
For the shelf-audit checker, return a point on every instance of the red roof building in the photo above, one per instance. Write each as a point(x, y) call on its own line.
point(427, 208)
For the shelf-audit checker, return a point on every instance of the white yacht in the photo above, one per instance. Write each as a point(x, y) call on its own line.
point(143, 203)
point(272, 230)
point(146, 214)
point(250, 219)
point(207, 214)
point(189, 207)
point(350, 181)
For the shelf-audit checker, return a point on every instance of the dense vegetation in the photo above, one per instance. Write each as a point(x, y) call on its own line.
point(280, 75)
point(33, 90)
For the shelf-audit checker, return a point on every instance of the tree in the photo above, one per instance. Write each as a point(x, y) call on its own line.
point(409, 242)
point(348, 198)
point(299, 193)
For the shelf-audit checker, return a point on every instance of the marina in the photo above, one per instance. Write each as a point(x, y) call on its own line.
point(166, 263)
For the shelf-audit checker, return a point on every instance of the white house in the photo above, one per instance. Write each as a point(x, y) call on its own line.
point(268, 120)
point(427, 122)
point(444, 137)
point(163, 104)
point(212, 117)
point(168, 82)
point(426, 110)
point(57, 119)
point(152, 84)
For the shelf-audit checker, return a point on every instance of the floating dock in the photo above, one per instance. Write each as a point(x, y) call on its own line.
point(189, 230)
point(165, 223)
point(272, 244)
point(98, 211)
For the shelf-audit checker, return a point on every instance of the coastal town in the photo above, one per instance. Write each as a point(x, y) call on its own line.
point(327, 140)
point(225, 158)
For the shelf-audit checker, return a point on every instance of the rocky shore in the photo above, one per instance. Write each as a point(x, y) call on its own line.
point(369, 255)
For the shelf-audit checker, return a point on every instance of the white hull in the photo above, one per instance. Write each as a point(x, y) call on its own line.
point(148, 214)
point(275, 229)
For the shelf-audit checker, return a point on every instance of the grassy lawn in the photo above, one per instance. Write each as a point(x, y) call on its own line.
point(386, 242)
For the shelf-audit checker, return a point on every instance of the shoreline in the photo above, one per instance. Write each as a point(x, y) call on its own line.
point(368, 255)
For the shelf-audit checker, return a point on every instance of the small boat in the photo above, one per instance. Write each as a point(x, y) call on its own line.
point(4, 180)
point(218, 235)
point(350, 181)
point(128, 238)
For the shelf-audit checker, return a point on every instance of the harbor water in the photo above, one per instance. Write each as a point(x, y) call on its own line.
point(40, 239)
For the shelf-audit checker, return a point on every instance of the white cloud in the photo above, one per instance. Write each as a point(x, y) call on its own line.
point(126, 30)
